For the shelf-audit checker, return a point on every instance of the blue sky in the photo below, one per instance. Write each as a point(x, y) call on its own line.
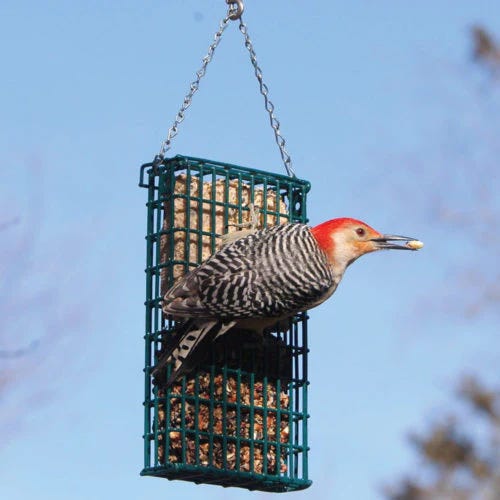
point(374, 99)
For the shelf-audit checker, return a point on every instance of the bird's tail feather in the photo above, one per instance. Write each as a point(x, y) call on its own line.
point(183, 353)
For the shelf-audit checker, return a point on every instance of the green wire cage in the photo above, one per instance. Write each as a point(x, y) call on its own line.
point(240, 419)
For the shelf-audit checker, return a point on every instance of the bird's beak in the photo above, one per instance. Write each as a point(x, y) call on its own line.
point(386, 242)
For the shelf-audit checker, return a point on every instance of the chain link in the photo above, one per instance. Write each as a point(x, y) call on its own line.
point(275, 124)
point(172, 132)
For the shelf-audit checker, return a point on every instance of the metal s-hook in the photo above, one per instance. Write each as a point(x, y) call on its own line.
point(236, 8)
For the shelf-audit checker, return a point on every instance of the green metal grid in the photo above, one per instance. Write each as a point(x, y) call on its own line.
point(275, 368)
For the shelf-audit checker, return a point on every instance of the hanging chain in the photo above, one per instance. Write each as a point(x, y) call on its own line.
point(275, 124)
point(235, 11)
point(172, 132)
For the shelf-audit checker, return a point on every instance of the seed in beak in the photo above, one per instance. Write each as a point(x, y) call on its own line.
point(414, 244)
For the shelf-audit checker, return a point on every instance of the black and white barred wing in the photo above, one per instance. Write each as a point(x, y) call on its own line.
point(271, 273)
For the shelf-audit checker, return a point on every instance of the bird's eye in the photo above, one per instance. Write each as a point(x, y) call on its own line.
point(360, 231)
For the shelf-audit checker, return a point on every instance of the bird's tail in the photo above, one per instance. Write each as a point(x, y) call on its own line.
point(183, 350)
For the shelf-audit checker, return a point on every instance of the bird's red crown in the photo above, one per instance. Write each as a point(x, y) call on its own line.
point(323, 232)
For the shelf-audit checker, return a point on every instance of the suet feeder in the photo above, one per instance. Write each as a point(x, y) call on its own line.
point(240, 419)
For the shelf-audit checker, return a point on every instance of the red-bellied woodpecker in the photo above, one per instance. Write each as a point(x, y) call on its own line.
point(263, 278)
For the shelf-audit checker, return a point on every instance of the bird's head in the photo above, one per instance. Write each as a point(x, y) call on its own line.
point(345, 239)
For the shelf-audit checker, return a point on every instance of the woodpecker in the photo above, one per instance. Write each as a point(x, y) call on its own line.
point(263, 278)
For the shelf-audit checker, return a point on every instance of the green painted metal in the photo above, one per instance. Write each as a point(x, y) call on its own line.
point(260, 457)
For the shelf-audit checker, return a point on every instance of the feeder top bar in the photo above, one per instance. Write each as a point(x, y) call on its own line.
point(182, 161)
